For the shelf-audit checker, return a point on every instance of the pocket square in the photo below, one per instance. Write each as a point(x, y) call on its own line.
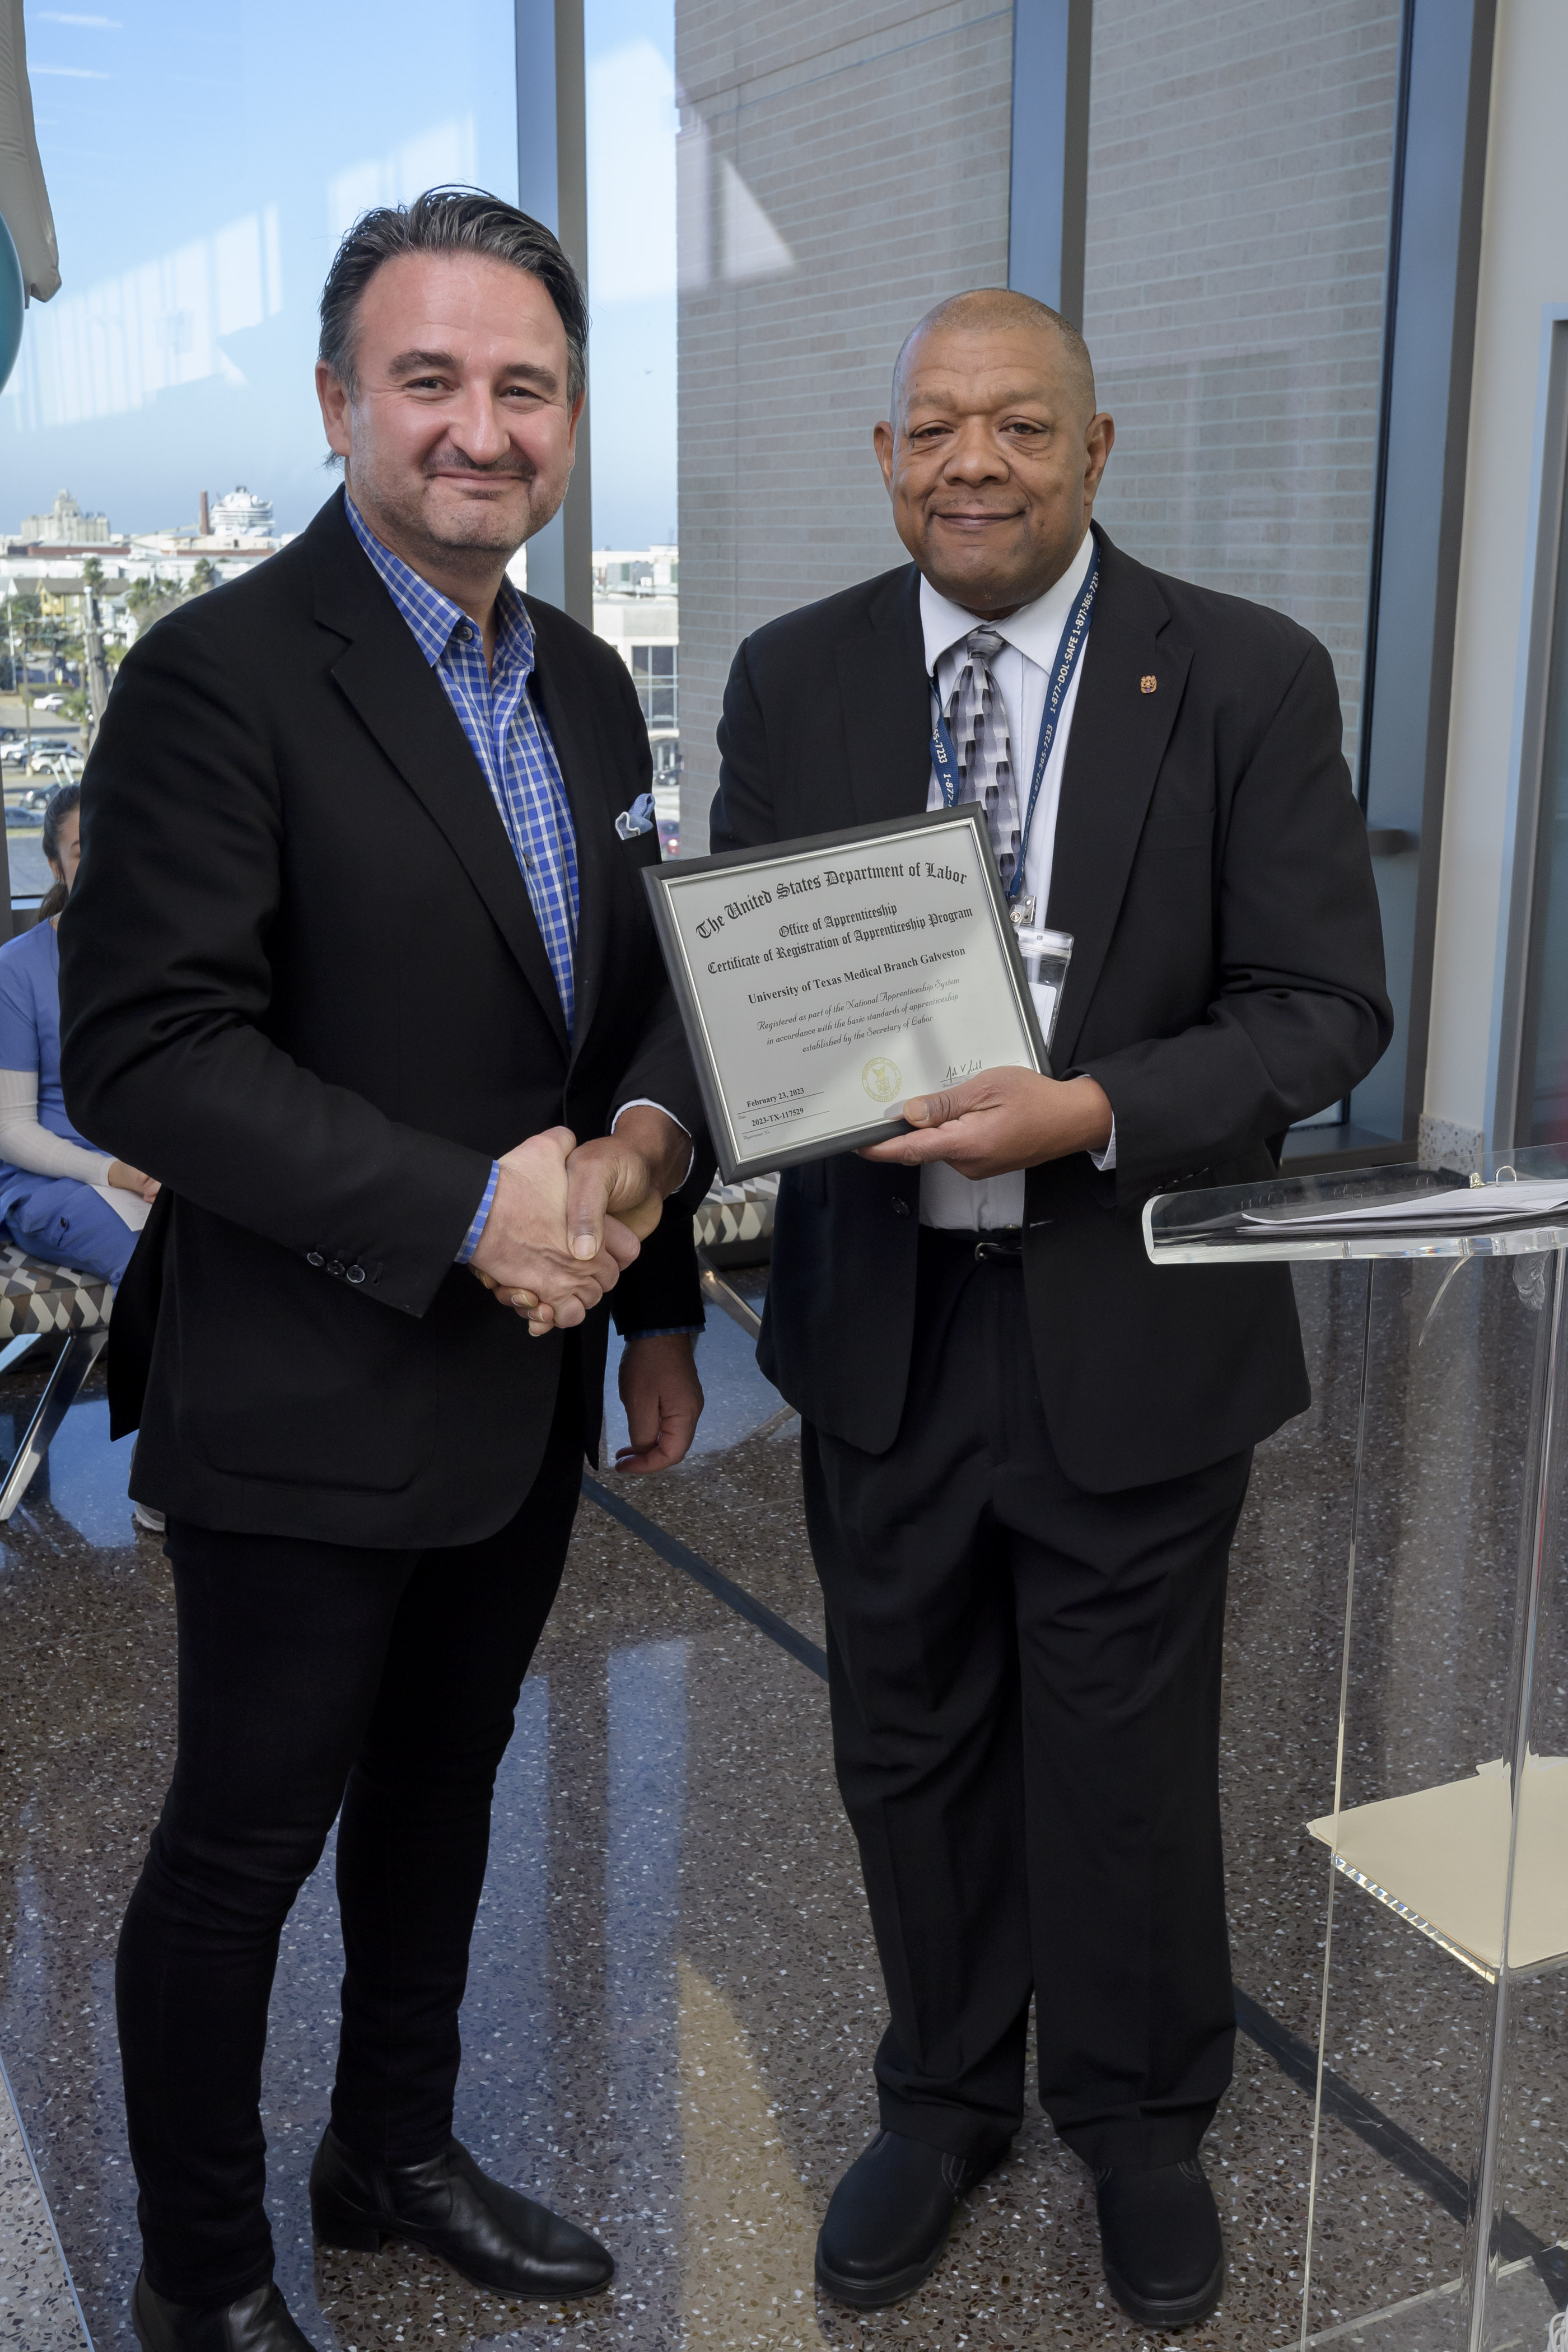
point(638, 819)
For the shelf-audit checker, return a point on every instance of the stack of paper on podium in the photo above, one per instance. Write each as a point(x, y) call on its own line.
point(1451, 1208)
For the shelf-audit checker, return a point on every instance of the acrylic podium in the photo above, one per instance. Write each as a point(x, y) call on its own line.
point(1428, 1604)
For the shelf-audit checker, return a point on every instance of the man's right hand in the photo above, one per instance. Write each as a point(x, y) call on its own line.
point(523, 1248)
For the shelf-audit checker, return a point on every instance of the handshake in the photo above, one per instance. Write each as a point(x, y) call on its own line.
point(568, 1218)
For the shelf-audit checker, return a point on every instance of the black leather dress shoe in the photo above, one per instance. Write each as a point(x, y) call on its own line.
point(257, 2322)
point(889, 2218)
point(488, 2234)
point(1158, 2233)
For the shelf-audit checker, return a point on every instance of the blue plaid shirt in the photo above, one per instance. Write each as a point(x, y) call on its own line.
point(511, 744)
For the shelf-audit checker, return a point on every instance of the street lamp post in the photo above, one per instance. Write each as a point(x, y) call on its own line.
point(97, 668)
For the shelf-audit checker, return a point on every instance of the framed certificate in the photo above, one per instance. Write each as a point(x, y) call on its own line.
point(824, 982)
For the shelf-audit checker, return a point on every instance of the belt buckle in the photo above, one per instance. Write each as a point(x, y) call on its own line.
point(998, 1248)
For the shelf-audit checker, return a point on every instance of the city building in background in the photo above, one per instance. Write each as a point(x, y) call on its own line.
point(136, 576)
point(637, 608)
point(180, 348)
point(74, 596)
point(65, 525)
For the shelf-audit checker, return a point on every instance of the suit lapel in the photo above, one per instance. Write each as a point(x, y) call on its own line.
point(1120, 731)
point(887, 706)
point(596, 870)
point(388, 682)
point(1117, 740)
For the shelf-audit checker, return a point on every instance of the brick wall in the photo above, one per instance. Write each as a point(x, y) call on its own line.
point(1238, 180)
point(842, 167)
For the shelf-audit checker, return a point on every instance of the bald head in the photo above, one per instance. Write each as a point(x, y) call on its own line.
point(995, 448)
point(990, 307)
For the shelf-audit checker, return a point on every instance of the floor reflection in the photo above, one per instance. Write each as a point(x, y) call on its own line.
point(83, 1478)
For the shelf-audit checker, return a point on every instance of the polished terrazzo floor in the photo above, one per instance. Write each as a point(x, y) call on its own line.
point(674, 1996)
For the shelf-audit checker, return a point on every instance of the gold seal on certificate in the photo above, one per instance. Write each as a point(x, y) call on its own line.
point(823, 982)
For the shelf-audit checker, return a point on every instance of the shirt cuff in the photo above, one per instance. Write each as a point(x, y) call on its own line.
point(1106, 1159)
point(646, 1102)
point(668, 1330)
point(471, 1238)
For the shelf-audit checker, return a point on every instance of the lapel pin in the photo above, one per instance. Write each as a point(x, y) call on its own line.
point(1147, 685)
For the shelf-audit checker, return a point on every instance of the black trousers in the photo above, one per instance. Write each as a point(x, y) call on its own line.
point(1024, 1683)
point(315, 1675)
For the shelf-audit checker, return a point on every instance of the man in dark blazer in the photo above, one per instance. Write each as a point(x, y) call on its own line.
point(1025, 1448)
point(360, 952)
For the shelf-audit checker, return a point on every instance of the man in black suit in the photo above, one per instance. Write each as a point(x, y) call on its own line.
point(360, 950)
point(1026, 1449)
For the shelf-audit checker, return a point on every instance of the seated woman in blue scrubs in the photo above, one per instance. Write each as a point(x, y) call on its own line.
point(60, 1199)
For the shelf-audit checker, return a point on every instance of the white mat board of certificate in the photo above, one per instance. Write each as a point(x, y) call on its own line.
point(823, 982)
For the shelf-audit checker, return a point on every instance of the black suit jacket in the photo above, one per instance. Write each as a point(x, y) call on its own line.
point(302, 984)
point(1227, 978)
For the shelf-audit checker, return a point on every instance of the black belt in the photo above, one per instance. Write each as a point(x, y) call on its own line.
point(1003, 1244)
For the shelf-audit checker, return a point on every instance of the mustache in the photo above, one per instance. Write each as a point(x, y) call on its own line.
point(500, 470)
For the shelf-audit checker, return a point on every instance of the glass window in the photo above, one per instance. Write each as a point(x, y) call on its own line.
point(835, 178)
point(653, 667)
point(629, 55)
point(1233, 284)
point(1543, 1089)
point(1239, 164)
point(839, 170)
point(202, 163)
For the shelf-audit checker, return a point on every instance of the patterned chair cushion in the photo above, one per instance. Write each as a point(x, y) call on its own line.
point(738, 1216)
point(37, 1297)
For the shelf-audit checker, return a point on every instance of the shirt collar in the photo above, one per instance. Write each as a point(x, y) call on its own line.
point(1035, 629)
point(432, 616)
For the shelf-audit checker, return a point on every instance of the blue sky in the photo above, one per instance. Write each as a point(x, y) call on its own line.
point(203, 157)
point(631, 256)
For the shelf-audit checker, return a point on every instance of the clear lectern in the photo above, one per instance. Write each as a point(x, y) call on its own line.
point(1442, 1771)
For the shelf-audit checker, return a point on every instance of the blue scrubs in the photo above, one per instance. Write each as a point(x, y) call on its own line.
point(53, 1217)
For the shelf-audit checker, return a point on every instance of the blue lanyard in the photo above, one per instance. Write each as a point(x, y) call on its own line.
point(945, 759)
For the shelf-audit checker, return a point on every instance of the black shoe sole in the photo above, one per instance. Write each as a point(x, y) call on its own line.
point(1185, 2313)
point(887, 2290)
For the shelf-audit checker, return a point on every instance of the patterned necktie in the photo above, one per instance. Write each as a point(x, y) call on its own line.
point(977, 721)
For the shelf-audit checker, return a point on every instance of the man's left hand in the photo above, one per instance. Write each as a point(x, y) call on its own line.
point(620, 1179)
point(663, 1398)
point(627, 1175)
point(999, 1122)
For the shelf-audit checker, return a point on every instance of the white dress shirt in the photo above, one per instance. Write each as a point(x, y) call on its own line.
point(1022, 669)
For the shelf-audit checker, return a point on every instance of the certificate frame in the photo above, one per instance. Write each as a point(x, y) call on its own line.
point(664, 883)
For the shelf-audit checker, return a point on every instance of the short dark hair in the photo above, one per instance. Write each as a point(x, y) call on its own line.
point(60, 804)
point(449, 220)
